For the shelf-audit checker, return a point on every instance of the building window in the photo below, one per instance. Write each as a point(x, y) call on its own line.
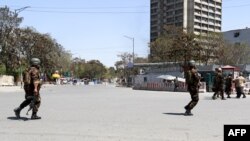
point(236, 34)
point(145, 79)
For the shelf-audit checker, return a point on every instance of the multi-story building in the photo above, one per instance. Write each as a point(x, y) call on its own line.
point(197, 16)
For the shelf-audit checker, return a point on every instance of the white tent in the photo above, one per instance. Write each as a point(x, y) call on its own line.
point(181, 79)
point(171, 77)
point(167, 77)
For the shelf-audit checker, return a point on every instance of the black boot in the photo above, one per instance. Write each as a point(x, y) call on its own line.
point(188, 113)
point(17, 112)
point(34, 116)
point(223, 98)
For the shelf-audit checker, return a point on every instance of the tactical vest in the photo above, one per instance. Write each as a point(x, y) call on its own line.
point(26, 77)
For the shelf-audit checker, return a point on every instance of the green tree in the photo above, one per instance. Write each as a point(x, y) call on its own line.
point(111, 73)
point(93, 69)
point(119, 65)
point(178, 45)
point(19, 45)
point(141, 60)
point(234, 54)
point(213, 46)
point(175, 45)
point(52, 55)
point(78, 66)
point(9, 21)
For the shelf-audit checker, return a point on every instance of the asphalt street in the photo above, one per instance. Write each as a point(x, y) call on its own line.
point(108, 113)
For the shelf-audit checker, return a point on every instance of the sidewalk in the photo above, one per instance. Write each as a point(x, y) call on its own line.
point(17, 88)
point(10, 88)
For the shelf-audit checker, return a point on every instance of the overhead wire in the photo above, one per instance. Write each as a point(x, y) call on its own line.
point(93, 10)
point(88, 12)
point(119, 7)
point(43, 9)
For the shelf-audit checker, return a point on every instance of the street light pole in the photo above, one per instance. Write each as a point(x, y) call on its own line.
point(20, 62)
point(21, 9)
point(133, 61)
point(131, 38)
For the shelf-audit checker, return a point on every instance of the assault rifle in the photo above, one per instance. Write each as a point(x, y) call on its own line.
point(32, 103)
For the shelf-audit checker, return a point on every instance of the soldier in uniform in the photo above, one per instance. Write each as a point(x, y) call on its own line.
point(176, 84)
point(31, 78)
point(193, 84)
point(228, 88)
point(218, 85)
point(215, 83)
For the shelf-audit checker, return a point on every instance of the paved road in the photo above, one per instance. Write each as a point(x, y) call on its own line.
point(107, 113)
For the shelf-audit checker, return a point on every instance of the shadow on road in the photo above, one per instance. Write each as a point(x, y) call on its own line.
point(208, 98)
point(218, 98)
point(15, 118)
point(174, 114)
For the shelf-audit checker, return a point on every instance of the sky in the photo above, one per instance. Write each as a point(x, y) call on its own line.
point(96, 29)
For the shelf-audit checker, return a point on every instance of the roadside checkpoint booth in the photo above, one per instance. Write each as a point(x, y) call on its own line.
point(230, 70)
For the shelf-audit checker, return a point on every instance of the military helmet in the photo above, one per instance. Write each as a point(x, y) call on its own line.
point(219, 70)
point(191, 63)
point(35, 61)
point(240, 74)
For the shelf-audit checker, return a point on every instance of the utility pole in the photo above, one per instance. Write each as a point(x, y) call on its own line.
point(133, 61)
point(19, 55)
point(133, 40)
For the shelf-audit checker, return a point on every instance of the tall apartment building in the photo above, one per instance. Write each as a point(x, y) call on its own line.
point(197, 16)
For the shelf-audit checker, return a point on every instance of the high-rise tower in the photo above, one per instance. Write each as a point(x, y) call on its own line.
point(197, 16)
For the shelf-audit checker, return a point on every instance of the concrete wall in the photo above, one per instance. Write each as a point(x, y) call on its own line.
point(6, 80)
point(152, 82)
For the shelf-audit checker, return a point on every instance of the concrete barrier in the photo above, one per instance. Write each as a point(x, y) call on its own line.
point(203, 88)
point(6, 80)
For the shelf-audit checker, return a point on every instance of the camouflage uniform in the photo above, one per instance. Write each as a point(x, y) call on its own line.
point(218, 85)
point(193, 84)
point(35, 78)
point(228, 88)
point(31, 78)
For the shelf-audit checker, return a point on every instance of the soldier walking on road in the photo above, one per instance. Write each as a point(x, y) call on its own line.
point(193, 84)
point(218, 85)
point(228, 88)
point(176, 84)
point(31, 78)
point(215, 84)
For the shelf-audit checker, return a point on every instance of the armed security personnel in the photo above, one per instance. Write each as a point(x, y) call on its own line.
point(193, 84)
point(218, 85)
point(31, 78)
point(228, 88)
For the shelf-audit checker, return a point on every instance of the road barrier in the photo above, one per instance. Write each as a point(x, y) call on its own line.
point(6, 80)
